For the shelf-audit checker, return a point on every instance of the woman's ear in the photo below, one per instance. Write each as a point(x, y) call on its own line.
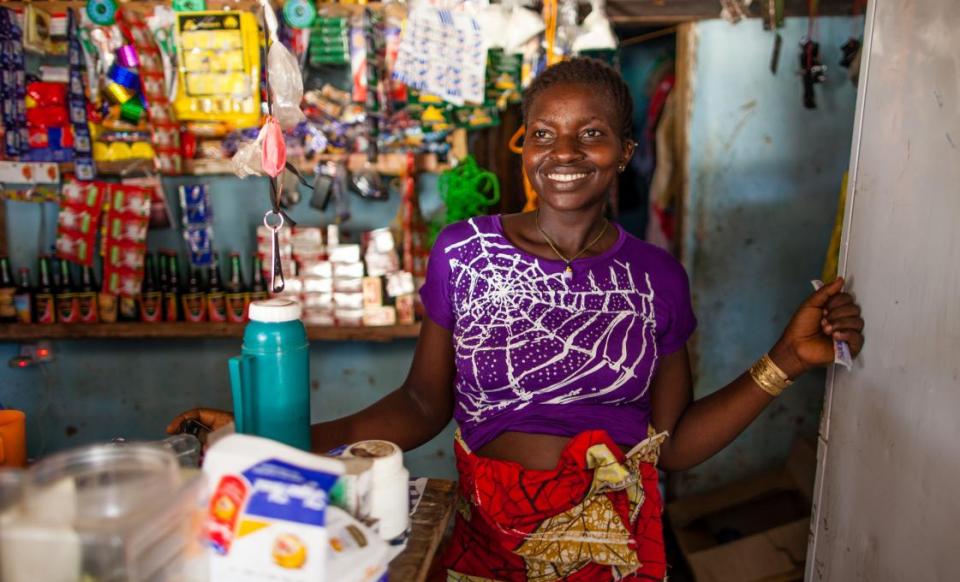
point(629, 146)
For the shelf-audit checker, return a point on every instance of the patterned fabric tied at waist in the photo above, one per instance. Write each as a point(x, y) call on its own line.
point(595, 517)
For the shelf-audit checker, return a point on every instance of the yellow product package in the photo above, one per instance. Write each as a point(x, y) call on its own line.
point(218, 67)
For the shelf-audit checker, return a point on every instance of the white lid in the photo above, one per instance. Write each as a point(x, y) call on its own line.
point(275, 310)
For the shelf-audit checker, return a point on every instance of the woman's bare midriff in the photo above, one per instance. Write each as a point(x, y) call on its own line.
point(538, 452)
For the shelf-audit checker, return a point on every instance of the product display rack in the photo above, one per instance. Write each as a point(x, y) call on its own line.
point(177, 330)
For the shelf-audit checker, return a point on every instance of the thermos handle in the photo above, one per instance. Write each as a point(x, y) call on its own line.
point(3, 454)
point(240, 386)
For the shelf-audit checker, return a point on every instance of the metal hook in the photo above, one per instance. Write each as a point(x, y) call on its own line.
point(277, 282)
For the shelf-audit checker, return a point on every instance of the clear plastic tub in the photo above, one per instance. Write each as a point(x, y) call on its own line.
point(11, 481)
point(109, 513)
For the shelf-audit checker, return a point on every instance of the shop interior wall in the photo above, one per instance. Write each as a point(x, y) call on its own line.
point(765, 178)
point(97, 390)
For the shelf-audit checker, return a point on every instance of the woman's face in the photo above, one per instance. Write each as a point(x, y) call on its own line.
point(572, 147)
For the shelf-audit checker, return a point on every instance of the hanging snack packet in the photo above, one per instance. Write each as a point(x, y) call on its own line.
point(159, 211)
point(76, 96)
point(197, 221)
point(125, 239)
point(81, 205)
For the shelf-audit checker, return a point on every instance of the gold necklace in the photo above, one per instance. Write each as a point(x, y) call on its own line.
point(568, 271)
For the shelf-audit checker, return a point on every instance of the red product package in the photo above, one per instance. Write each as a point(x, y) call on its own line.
point(81, 204)
point(127, 199)
point(127, 228)
point(125, 255)
point(123, 268)
point(125, 239)
point(122, 282)
point(52, 116)
point(48, 94)
point(57, 138)
point(226, 504)
point(159, 213)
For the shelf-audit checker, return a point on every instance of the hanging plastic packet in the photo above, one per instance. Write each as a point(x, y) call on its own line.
point(197, 221)
point(247, 160)
point(841, 349)
point(358, 62)
point(524, 24)
point(286, 86)
point(161, 24)
point(274, 153)
point(125, 239)
point(159, 211)
point(82, 143)
point(329, 41)
point(81, 205)
point(493, 20)
point(443, 53)
point(12, 89)
point(595, 32)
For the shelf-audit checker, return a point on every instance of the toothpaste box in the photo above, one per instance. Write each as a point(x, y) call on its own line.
point(267, 514)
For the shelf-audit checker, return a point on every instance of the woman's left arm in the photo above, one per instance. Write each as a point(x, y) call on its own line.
point(699, 429)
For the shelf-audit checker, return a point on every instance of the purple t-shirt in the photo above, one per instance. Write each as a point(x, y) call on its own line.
point(538, 353)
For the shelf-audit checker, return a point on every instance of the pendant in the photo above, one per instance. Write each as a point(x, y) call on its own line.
point(568, 273)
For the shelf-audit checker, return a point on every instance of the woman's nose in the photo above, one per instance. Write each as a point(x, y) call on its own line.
point(566, 149)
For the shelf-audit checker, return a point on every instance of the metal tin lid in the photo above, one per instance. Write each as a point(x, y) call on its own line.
point(275, 310)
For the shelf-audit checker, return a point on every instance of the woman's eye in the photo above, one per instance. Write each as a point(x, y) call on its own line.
point(541, 134)
point(592, 133)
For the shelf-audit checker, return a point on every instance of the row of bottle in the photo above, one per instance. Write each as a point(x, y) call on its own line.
point(164, 296)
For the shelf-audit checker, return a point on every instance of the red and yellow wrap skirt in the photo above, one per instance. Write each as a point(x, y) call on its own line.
point(595, 517)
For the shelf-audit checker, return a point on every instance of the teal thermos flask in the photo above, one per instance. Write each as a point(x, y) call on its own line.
point(270, 379)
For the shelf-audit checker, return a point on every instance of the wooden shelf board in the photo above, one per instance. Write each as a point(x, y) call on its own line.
point(20, 332)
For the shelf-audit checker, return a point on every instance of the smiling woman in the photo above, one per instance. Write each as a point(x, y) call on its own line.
point(578, 120)
point(557, 342)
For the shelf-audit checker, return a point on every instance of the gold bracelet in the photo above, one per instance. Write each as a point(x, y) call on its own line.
point(769, 377)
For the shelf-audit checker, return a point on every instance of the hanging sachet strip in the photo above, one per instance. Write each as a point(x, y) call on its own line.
point(164, 131)
point(77, 103)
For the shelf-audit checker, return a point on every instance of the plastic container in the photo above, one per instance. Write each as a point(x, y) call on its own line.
point(389, 497)
point(108, 513)
point(11, 481)
point(270, 379)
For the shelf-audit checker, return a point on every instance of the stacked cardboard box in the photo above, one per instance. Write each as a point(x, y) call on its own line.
point(343, 284)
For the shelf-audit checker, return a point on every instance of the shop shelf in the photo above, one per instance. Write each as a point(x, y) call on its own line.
point(33, 332)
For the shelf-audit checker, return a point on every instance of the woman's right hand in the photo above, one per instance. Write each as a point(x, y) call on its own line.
point(210, 417)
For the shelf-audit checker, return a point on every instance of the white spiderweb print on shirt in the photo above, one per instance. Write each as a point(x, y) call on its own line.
point(526, 336)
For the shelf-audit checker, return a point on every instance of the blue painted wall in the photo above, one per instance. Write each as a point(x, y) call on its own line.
point(764, 180)
point(100, 390)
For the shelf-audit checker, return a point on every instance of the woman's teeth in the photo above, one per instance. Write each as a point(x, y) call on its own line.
point(566, 177)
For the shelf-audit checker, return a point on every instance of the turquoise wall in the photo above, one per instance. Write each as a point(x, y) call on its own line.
point(764, 180)
point(131, 388)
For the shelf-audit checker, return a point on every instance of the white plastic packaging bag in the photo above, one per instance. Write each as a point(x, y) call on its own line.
point(524, 25)
point(286, 86)
point(596, 32)
point(246, 162)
